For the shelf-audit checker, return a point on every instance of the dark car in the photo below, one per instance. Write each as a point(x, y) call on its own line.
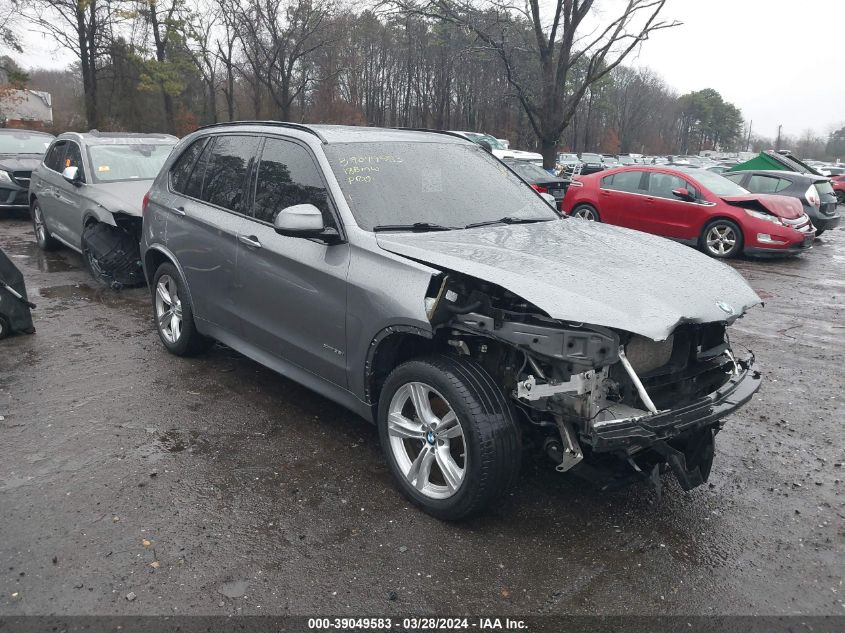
point(20, 153)
point(815, 192)
point(539, 179)
point(591, 163)
point(411, 278)
point(693, 206)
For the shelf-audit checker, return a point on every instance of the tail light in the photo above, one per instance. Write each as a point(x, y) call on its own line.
point(539, 189)
point(144, 203)
point(812, 196)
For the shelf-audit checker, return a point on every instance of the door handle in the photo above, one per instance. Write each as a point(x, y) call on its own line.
point(178, 210)
point(249, 240)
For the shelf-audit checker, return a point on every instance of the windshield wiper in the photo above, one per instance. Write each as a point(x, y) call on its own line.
point(508, 220)
point(416, 226)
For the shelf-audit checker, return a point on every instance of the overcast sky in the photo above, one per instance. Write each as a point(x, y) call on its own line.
point(779, 61)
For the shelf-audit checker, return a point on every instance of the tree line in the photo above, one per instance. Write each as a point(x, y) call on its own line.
point(546, 76)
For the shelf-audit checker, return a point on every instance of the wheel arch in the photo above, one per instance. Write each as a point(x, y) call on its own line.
point(392, 346)
point(157, 255)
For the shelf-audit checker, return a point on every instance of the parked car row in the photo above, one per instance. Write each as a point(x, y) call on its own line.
point(416, 279)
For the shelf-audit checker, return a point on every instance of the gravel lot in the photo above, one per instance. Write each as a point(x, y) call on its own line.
point(213, 486)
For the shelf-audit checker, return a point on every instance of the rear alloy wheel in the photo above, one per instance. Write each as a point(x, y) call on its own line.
point(721, 239)
point(173, 314)
point(46, 242)
point(448, 435)
point(586, 212)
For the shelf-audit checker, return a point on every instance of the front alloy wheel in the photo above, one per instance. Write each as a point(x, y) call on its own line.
point(448, 435)
point(168, 309)
point(427, 440)
point(722, 239)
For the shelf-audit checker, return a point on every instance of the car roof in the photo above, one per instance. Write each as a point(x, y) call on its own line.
point(329, 134)
point(16, 130)
point(787, 175)
point(95, 137)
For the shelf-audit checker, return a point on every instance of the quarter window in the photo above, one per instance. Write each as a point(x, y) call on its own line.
point(287, 176)
point(228, 167)
point(623, 181)
point(183, 168)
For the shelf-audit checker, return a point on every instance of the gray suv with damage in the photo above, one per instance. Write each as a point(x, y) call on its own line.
point(87, 192)
point(415, 279)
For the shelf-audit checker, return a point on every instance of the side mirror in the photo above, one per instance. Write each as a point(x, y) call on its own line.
point(683, 193)
point(304, 220)
point(71, 174)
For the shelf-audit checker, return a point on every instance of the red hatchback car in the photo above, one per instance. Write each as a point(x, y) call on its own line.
point(838, 183)
point(694, 206)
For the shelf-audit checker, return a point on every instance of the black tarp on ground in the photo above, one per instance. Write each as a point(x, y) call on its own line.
point(15, 312)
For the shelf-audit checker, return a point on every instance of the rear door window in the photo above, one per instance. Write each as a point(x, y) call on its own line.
point(287, 175)
point(55, 156)
point(734, 177)
point(630, 181)
point(758, 183)
point(662, 185)
point(229, 164)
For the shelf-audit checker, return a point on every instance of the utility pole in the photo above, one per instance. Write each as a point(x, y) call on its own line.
point(777, 143)
point(748, 138)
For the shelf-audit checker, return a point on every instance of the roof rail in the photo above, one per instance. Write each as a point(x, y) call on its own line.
point(425, 129)
point(293, 126)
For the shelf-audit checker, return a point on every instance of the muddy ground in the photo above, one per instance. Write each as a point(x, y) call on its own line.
point(213, 486)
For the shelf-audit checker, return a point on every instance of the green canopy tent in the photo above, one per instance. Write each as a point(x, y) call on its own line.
point(775, 160)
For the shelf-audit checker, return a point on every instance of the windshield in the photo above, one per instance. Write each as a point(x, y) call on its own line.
point(567, 157)
point(591, 158)
point(717, 184)
point(23, 143)
point(824, 187)
point(451, 184)
point(626, 160)
point(134, 161)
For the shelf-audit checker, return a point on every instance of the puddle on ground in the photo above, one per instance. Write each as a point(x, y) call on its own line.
point(45, 262)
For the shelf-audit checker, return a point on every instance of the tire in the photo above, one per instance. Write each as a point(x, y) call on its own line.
point(721, 239)
point(45, 239)
point(5, 328)
point(112, 255)
point(183, 340)
point(586, 212)
point(820, 231)
point(481, 427)
point(840, 197)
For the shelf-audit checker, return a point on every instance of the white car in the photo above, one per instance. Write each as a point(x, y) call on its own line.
point(499, 150)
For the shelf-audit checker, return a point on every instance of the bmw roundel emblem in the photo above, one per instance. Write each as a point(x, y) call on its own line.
point(725, 307)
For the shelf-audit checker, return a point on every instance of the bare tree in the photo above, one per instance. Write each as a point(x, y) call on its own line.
point(83, 27)
point(278, 36)
point(551, 52)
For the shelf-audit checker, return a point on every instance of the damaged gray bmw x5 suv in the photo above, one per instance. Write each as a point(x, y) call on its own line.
point(413, 278)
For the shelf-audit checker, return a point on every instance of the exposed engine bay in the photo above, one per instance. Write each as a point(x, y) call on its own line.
point(602, 403)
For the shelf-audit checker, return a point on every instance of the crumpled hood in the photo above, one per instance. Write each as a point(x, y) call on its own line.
point(19, 163)
point(780, 206)
point(585, 272)
point(126, 195)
